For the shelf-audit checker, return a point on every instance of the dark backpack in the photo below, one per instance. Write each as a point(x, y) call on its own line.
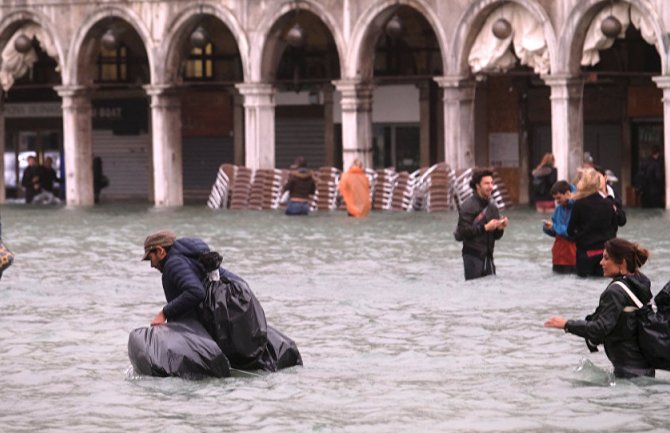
point(653, 327)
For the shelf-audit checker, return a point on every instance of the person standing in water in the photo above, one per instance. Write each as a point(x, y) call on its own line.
point(479, 226)
point(614, 324)
point(355, 189)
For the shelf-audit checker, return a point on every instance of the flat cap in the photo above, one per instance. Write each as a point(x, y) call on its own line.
point(162, 238)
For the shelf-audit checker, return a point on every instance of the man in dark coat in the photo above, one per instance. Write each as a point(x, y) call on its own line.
point(652, 180)
point(183, 273)
point(479, 226)
point(31, 179)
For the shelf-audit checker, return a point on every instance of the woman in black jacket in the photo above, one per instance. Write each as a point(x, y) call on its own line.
point(593, 221)
point(613, 323)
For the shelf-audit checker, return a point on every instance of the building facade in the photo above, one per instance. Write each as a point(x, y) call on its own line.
point(166, 91)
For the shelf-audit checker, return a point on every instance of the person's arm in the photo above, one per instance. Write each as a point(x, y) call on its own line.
point(575, 220)
point(605, 319)
point(180, 273)
point(288, 186)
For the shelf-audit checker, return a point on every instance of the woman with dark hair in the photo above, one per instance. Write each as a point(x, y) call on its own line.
point(614, 324)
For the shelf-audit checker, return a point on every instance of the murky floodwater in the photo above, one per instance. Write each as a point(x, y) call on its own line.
point(392, 337)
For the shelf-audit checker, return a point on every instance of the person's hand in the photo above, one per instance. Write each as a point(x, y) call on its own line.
point(548, 224)
point(159, 319)
point(556, 322)
point(491, 225)
point(502, 222)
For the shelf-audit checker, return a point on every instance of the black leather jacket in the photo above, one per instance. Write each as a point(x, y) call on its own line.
point(474, 213)
point(612, 326)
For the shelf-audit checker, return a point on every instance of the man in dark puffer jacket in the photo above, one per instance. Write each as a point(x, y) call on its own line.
point(183, 274)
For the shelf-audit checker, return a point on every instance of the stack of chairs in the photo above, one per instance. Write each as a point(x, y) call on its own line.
point(241, 188)
point(382, 192)
point(438, 196)
point(402, 192)
point(500, 194)
point(218, 197)
point(327, 181)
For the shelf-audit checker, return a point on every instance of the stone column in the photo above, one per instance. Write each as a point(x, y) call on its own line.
point(424, 128)
point(77, 145)
point(328, 126)
point(166, 146)
point(2, 151)
point(356, 122)
point(459, 121)
point(259, 124)
point(567, 123)
point(663, 82)
point(238, 128)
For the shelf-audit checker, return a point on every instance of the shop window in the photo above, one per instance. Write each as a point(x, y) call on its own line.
point(113, 64)
point(200, 63)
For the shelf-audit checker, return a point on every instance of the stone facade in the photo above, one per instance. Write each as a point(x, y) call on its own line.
point(259, 29)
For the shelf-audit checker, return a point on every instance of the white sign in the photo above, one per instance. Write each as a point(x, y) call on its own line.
point(33, 109)
point(504, 149)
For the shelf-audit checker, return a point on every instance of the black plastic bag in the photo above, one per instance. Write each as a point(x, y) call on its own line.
point(654, 330)
point(281, 352)
point(182, 349)
point(236, 321)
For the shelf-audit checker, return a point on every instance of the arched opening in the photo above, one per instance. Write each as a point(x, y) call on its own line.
point(113, 63)
point(301, 61)
point(402, 57)
point(33, 123)
point(622, 106)
point(207, 66)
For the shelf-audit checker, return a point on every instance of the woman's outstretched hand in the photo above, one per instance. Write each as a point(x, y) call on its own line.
point(556, 322)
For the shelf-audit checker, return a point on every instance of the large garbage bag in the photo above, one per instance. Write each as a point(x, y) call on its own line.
point(236, 321)
point(654, 330)
point(280, 352)
point(181, 348)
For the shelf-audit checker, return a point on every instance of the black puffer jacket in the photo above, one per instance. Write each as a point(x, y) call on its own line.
point(182, 277)
point(615, 328)
point(593, 222)
point(474, 213)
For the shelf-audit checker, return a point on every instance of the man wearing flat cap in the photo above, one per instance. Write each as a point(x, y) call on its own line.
point(183, 273)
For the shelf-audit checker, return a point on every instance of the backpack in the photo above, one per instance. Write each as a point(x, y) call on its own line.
point(653, 326)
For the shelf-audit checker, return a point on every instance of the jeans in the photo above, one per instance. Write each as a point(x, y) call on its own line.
point(297, 208)
point(476, 267)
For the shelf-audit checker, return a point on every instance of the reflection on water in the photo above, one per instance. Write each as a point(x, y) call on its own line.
point(391, 335)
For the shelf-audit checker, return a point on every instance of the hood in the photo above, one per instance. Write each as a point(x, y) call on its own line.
point(640, 286)
point(189, 247)
point(662, 299)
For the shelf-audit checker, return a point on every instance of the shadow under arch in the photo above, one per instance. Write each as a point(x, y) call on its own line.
point(271, 46)
point(571, 43)
point(371, 25)
point(84, 45)
point(472, 20)
point(182, 26)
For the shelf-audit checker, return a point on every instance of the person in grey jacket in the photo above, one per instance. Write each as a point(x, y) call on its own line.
point(479, 226)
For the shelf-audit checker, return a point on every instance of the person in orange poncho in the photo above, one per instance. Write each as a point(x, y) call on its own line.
point(355, 189)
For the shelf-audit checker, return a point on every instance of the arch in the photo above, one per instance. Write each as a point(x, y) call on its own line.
point(577, 24)
point(260, 57)
point(474, 17)
point(14, 20)
point(360, 43)
point(78, 46)
point(176, 29)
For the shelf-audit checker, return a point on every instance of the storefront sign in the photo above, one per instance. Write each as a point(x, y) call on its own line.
point(33, 109)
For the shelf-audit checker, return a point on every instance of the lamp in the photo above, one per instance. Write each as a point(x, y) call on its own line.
point(23, 44)
point(501, 28)
point(199, 37)
point(109, 40)
point(394, 28)
point(295, 36)
point(611, 26)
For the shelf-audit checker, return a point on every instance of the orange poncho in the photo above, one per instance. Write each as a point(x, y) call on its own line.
point(355, 189)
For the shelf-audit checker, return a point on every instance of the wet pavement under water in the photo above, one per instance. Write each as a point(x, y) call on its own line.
point(392, 337)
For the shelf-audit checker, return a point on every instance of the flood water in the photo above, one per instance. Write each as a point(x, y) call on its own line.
point(392, 337)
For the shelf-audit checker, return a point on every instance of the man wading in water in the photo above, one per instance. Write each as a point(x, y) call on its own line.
point(479, 226)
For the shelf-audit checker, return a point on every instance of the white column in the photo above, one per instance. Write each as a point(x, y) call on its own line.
point(166, 146)
point(2, 151)
point(567, 123)
point(259, 124)
point(356, 122)
point(77, 145)
point(663, 82)
point(459, 120)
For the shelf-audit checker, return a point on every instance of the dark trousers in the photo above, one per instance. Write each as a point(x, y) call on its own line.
point(297, 208)
point(476, 267)
point(588, 266)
